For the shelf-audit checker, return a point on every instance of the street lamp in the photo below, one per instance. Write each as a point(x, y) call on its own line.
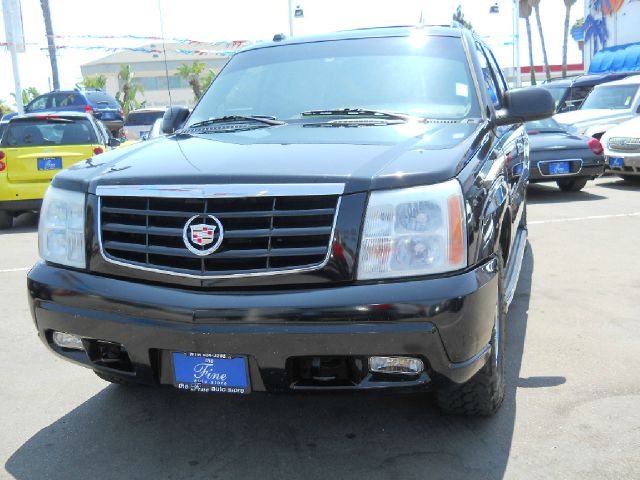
point(494, 9)
point(297, 13)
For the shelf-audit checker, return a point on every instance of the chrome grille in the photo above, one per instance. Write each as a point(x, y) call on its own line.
point(624, 144)
point(262, 234)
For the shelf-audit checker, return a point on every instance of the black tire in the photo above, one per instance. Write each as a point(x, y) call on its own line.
point(483, 394)
point(6, 219)
point(113, 379)
point(574, 185)
point(631, 178)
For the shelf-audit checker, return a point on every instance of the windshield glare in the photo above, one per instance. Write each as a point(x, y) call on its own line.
point(617, 97)
point(429, 79)
point(540, 125)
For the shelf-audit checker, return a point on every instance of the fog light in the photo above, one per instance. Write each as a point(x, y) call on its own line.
point(67, 340)
point(396, 365)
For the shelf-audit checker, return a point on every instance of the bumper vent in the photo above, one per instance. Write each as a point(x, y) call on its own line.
point(261, 234)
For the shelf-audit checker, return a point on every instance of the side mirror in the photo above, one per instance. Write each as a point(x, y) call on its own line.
point(173, 119)
point(525, 105)
point(114, 142)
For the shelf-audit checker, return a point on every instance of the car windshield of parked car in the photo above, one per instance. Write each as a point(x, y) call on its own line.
point(557, 93)
point(143, 118)
point(617, 97)
point(546, 125)
point(32, 132)
point(425, 76)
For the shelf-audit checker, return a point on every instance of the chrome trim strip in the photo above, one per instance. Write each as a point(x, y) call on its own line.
point(221, 191)
point(556, 161)
point(213, 277)
point(515, 265)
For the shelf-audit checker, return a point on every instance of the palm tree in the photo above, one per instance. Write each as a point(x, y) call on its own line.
point(458, 16)
point(4, 108)
point(96, 81)
point(536, 7)
point(126, 97)
point(567, 13)
point(191, 73)
point(50, 42)
point(525, 12)
point(208, 79)
point(28, 94)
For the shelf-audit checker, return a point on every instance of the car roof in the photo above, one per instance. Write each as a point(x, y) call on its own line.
point(372, 32)
point(631, 80)
point(52, 114)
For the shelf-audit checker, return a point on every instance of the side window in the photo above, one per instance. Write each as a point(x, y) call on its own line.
point(62, 100)
point(496, 70)
point(38, 103)
point(490, 81)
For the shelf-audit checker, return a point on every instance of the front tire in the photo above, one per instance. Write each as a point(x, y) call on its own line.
point(6, 219)
point(572, 185)
point(483, 394)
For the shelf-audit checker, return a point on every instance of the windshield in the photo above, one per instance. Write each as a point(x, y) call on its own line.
point(548, 124)
point(427, 78)
point(616, 97)
point(143, 118)
point(557, 93)
point(43, 132)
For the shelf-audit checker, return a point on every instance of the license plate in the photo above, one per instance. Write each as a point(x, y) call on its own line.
point(559, 168)
point(50, 163)
point(211, 372)
point(616, 162)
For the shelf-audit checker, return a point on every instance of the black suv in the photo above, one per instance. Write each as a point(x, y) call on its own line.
point(341, 212)
point(102, 105)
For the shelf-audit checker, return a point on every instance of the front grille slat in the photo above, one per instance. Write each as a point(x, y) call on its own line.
point(261, 235)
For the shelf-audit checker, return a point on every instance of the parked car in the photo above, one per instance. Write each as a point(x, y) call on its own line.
point(622, 149)
point(337, 213)
point(607, 105)
point(97, 102)
point(557, 155)
point(139, 122)
point(34, 148)
point(570, 93)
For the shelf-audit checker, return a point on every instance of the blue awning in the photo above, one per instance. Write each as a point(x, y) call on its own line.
point(622, 58)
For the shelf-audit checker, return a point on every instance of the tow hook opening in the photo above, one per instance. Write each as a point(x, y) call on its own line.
point(108, 355)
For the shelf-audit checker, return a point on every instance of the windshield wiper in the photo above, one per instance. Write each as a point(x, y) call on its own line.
point(235, 118)
point(360, 112)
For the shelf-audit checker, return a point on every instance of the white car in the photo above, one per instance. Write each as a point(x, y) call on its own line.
point(139, 122)
point(622, 149)
point(607, 105)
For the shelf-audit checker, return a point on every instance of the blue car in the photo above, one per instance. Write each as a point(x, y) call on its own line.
point(97, 102)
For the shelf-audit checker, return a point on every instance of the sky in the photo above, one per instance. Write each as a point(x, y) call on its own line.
point(216, 20)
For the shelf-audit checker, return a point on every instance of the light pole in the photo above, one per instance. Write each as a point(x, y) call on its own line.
point(515, 42)
point(13, 31)
point(297, 13)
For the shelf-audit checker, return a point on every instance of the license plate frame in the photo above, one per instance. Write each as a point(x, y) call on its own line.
point(49, 163)
point(616, 162)
point(203, 372)
point(560, 168)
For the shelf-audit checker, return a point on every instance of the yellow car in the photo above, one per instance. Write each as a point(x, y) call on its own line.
point(34, 147)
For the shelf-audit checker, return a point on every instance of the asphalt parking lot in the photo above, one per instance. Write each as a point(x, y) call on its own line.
point(571, 407)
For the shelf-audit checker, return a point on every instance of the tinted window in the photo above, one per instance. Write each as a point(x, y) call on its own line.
point(426, 76)
point(611, 96)
point(102, 97)
point(143, 118)
point(39, 103)
point(556, 92)
point(42, 132)
point(68, 99)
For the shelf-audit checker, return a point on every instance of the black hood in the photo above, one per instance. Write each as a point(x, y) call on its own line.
point(363, 157)
point(556, 141)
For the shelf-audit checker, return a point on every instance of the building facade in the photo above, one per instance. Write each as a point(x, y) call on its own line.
point(608, 23)
point(159, 74)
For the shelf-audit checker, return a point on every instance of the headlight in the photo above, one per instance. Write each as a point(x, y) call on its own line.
point(61, 228)
point(413, 231)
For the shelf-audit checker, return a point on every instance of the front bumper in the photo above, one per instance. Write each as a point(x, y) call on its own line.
point(631, 164)
point(447, 322)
